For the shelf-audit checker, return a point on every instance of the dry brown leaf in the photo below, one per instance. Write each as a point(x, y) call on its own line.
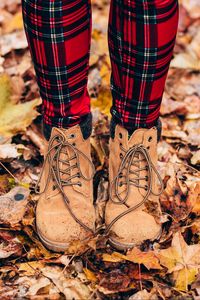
point(9, 245)
point(193, 199)
point(143, 295)
point(13, 206)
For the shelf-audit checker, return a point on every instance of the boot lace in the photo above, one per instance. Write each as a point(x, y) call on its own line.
point(62, 177)
point(132, 158)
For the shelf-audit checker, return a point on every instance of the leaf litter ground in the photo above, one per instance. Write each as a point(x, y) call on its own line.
point(166, 269)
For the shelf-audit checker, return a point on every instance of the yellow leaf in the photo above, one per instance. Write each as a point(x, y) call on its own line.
point(182, 260)
point(148, 259)
point(30, 268)
point(114, 257)
point(105, 74)
point(90, 275)
point(169, 258)
point(185, 277)
point(16, 23)
point(14, 118)
point(103, 102)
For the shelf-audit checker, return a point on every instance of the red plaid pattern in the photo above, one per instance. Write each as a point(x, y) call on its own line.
point(141, 40)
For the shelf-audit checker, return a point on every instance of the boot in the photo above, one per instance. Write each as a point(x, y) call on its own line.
point(65, 211)
point(133, 211)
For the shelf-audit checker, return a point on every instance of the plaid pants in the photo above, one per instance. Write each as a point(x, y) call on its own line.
point(141, 40)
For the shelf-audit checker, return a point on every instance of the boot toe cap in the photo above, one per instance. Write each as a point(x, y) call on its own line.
point(133, 229)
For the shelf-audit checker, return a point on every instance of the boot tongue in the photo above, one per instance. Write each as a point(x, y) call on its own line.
point(137, 137)
point(66, 132)
point(65, 153)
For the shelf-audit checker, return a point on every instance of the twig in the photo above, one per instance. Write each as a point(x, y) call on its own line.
point(9, 172)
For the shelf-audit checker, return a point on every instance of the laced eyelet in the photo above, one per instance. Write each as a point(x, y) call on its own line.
point(54, 187)
point(148, 148)
point(120, 144)
point(121, 155)
point(146, 187)
point(120, 175)
point(146, 178)
point(120, 135)
point(74, 144)
point(78, 175)
point(79, 183)
point(146, 168)
point(150, 139)
point(120, 184)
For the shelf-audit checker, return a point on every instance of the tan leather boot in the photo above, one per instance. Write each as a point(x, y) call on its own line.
point(133, 210)
point(65, 211)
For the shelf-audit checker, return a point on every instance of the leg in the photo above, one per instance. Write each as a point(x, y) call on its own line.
point(141, 40)
point(58, 34)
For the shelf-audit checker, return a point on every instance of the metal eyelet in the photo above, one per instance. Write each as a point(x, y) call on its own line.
point(72, 135)
point(120, 184)
point(146, 178)
point(120, 135)
point(148, 148)
point(74, 144)
point(150, 139)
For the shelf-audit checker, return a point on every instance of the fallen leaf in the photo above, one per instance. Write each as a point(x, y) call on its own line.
point(12, 41)
point(195, 160)
point(14, 118)
point(193, 198)
point(114, 257)
point(182, 260)
point(143, 295)
point(9, 245)
point(13, 206)
point(15, 24)
point(10, 150)
point(90, 275)
point(148, 259)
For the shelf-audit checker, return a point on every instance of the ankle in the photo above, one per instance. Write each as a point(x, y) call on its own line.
point(85, 125)
point(114, 123)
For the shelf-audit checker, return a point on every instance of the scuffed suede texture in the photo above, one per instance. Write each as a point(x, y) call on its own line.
point(113, 125)
point(86, 127)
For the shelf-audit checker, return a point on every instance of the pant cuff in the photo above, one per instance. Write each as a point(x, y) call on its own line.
point(85, 125)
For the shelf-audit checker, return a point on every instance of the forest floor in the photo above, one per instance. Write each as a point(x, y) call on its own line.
point(166, 269)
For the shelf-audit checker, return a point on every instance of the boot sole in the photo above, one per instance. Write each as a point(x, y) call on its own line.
point(56, 247)
point(119, 246)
